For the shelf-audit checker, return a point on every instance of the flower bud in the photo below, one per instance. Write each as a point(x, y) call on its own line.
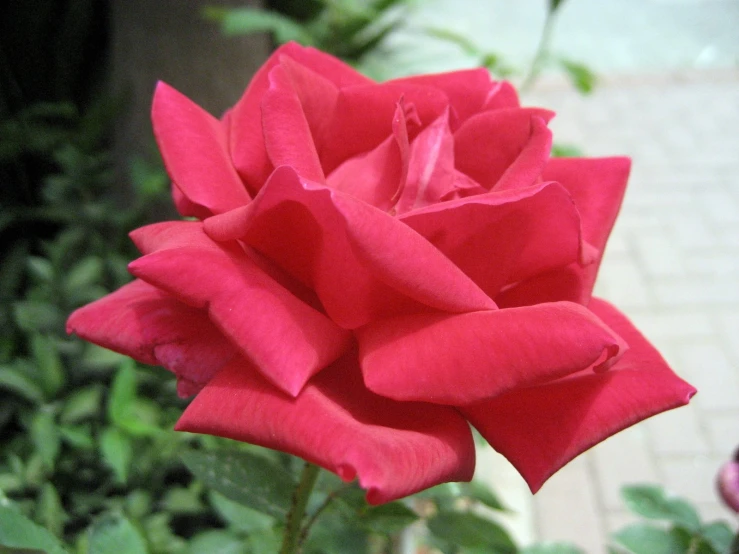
point(728, 482)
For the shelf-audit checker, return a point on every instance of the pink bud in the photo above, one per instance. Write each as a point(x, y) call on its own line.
point(728, 483)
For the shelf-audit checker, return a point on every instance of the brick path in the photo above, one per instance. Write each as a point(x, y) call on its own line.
point(673, 266)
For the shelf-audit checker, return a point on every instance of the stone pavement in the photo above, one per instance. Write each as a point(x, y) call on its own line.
point(670, 100)
point(672, 265)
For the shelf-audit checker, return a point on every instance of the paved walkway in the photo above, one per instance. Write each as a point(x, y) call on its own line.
point(673, 266)
point(671, 101)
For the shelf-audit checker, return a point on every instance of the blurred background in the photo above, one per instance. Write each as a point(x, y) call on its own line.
point(82, 431)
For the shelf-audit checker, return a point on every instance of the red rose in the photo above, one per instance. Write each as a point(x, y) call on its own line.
point(376, 265)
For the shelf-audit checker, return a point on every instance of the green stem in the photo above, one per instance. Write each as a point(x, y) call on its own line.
point(294, 522)
point(541, 52)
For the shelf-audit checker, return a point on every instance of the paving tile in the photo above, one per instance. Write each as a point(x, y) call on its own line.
point(677, 432)
point(567, 508)
point(706, 365)
point(692, 477)
point(723, 433)
point(621, 460)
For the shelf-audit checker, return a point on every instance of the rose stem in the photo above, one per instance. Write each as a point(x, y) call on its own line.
point(297, 511)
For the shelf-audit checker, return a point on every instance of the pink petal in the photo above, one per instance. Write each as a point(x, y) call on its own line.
point(565, 283)
point(464, 358)
point(364, 118)
point(287, 135)
point(143, 322)
point(503, 237)
point(487, 144)
point(503, 95)
point(394, 449)
point(379, 175)
point(247, 141)
point(362, 263)
point(466, 90)
point(597, 186)
point(253, 310)
point(194, 146)
point(540, 429)
point(527, 167)
point(431, 173)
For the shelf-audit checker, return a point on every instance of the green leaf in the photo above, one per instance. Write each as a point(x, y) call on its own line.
point(17, 531)
point(49, 364)
point(15, 380)
point(479, 491)
point(114, 533)
point(117, 451)
point(554, 5)
point(719, 535)
point(641, 538)
point(182, 500)
point(566, 151)
point(216, 542)
point(85, 273)
point(81, 404)
point(240, 517)
point(552, 548)
point(388, 518)
point(49, 509)
point(45, 436)
point(122, 393)
point(78, 436)
point(468, 529)
point(34, 316)
point(245, 478)
point(651, 502)
point(581, 77)
point(244, 21)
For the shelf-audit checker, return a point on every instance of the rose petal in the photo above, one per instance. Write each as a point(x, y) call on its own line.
point(194, 146)
point(503, 237)
point(488, 143)
point(527, 167)
point(431, 173)
point(503, 95)
point(562, 284)
point(460, 359)
point(287, 135)
point(252, 309)
point(143, 322)
point(364, 116)
point(466, 90)
point(394, 449)
point(540, 429)
point(363, 263)
point(597, 186)
point(247, 141)
point(377, 176)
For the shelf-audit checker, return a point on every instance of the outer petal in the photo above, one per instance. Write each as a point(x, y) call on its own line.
point(540, 429)
point(194, 146)
point(487, 144)
point(152, 327)
point(251, 308)
point(395, 449)
point(362, 263)
point(504, 237)
point(460, 359)
point(287, 135)
point(247, 142)
point(597, 186)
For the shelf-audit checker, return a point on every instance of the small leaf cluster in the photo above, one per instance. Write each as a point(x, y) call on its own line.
point(675, 526)
point(346, 29)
